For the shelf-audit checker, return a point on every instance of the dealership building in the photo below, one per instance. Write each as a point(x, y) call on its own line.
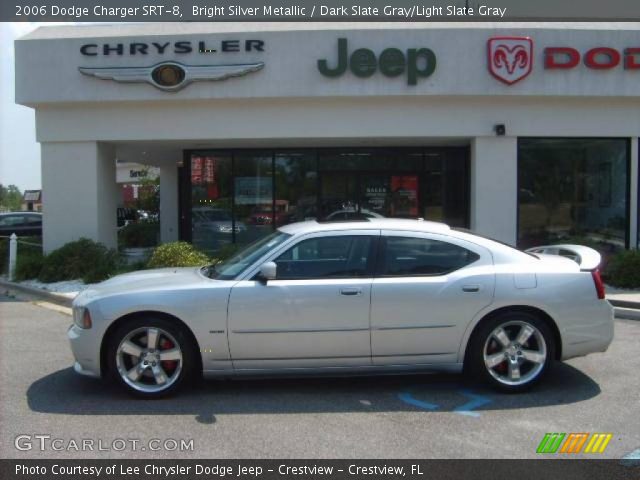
point(525, 132)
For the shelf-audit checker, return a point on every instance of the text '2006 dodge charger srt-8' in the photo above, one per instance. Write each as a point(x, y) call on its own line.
point(371, 296)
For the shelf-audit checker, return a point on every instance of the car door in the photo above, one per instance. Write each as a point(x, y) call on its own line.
point(427, 289)
point(32, 224)
point(315, 313)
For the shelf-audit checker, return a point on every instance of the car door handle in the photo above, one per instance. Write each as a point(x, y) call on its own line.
point(471, 288)
point(350, 291)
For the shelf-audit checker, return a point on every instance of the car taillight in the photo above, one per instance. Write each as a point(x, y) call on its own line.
point(597, 281)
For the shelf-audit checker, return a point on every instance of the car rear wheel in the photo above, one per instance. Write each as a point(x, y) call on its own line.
point(150, 357)
point(512, 351)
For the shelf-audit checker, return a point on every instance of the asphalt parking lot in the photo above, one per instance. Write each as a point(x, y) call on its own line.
point(425, 416)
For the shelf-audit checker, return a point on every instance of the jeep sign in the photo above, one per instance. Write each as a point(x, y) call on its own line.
point(392, 62)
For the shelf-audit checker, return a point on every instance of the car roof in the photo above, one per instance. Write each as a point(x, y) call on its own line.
point(26, 212)
point(417, 225)
point(502, 253)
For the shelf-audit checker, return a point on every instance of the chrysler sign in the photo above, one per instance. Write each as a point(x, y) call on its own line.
point(171, 75)
point(177, 48)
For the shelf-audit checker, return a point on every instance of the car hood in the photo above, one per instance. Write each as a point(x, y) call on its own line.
point(146, 280)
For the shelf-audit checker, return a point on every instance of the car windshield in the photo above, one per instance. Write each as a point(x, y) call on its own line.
point(230, 268)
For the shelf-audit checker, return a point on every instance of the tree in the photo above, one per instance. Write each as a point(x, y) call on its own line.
point(10, 197)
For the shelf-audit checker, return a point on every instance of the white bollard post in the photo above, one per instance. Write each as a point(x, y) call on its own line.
point(13, 255)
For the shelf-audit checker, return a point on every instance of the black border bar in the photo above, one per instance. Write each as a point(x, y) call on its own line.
point(556, 468)
point(318, 11)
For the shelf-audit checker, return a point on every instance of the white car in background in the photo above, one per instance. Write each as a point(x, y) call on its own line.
point(368, 296)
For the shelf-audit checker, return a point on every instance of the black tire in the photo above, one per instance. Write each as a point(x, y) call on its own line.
point(475, 366)
point(170, 332)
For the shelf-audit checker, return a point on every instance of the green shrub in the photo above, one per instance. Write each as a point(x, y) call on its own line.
point(29, 265)
point(177, 254)
point(84, 258)
point(623, 269)
point(142, 234)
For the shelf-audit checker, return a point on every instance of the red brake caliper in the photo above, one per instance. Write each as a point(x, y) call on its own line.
point(168, 365)
point(502, 367)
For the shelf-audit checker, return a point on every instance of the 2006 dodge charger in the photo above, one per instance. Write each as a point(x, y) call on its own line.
point(370, 296)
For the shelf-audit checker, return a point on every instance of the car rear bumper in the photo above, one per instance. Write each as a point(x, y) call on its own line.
point(594, 333)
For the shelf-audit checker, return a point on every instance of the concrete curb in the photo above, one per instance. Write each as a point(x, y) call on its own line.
point(627, 313)
point(624, 304)
point(38, 293)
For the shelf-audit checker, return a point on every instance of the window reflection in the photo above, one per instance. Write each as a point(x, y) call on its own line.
point(240, 196)
point(211, 215)
point(573, 190)
point(253, 195)
point(296, 179)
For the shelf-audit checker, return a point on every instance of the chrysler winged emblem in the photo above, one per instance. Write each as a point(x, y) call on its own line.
point(171, 76)
point(510, 58)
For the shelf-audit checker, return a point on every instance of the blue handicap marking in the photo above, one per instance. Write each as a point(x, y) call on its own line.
point(466, 409)
point(475, 402)
point(407, 397)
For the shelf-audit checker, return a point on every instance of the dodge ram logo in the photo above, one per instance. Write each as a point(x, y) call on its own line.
point(510, 58)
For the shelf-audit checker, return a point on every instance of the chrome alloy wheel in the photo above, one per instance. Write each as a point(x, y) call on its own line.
point(149, 359)
point(515, 353)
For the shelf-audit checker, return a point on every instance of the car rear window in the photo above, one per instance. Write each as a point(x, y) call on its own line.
point(411, 256)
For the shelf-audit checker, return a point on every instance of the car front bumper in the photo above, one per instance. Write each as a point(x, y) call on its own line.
point(86, 351)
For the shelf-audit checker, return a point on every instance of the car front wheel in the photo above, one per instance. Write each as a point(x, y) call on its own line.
point(512, 351)
point(150, 358)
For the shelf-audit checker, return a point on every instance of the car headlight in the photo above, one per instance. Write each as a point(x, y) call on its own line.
point(82, 317)
point(224, 229)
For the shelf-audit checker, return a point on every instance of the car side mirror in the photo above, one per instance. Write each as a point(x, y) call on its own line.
point(268, 271)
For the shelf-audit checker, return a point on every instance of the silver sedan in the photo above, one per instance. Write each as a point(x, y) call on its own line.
point(361, 297)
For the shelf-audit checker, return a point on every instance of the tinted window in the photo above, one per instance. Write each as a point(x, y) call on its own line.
point(326, 257)
point(11, 220)
point(573, 190)
point(406, 256)
point(32, 220)
point(230, 268)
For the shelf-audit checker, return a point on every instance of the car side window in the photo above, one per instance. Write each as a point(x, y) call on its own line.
point(11, 220)
point(411, 256)
point(32, 220)
point(326, 257)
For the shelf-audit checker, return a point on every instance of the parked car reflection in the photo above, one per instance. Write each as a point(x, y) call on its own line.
point(216, 220)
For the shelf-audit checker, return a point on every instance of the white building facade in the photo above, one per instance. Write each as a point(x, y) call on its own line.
point(527, 133)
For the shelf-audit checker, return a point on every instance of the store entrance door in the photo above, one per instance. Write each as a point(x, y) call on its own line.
point(350, 195)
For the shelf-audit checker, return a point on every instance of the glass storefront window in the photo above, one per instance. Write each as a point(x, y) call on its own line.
point(253, 195)
point(573, 190)
point(240, 196)
point(211, 205)
point(446, 186)
point(296, 179)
